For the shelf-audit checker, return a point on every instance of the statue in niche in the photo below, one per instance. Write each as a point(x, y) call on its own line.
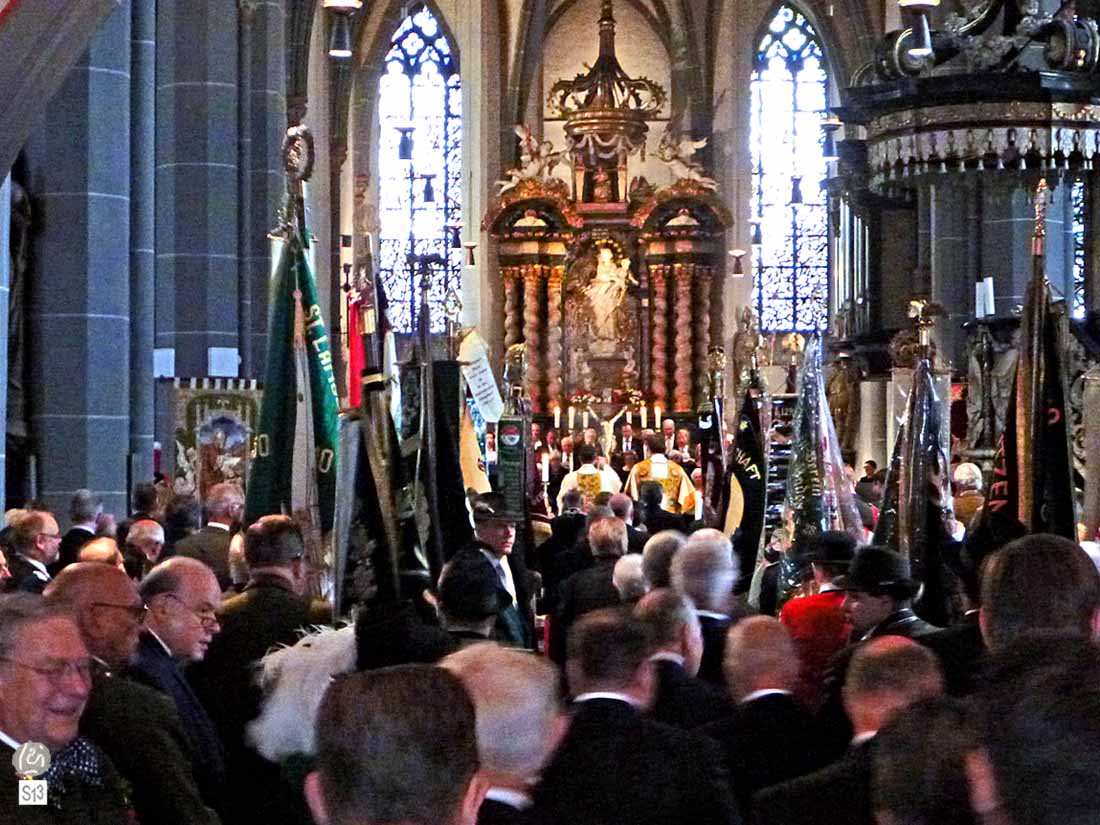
point(606, 292)
point(601, 186)
point(677, 151)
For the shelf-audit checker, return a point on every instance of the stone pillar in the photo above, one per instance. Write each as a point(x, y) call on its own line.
point(79, 301)
point(951, 277)
point(1008, 220)
point(265, 131)
point(5, 279)
point(142, 235)
point(871, 443)
point(196, 188)
point(533, 313)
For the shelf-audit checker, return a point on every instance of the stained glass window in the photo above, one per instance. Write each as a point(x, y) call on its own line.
point(1077, 193)
point(789, 101)
point(420, 88)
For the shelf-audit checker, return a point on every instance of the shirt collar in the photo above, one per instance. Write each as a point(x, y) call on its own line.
point(828, 587)
point(512, 798)
point(607, 694)
point(710, 614)
point(218, 525)
point(7, 740)
point(153, 633)
point(40, 570)
point(758, 694)
point(667, 656)
point(86, 526)
point(860, 738)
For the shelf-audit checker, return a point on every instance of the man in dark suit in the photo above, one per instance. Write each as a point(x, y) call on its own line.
point(654, 516)
point(271, 611)
point(470, 597)
point(589, 589)
point(519, 724)
point(137, 727)
point(615, 766)
point(496, 533)
point(627, 443)
point(182, 596)
point(769, 737)
point(44, 665)
point(705, 570)
point(35, 539)
point(382, 758)
point(623, 507)
point(83, 510)
point(210, 545)
point(682, 699)
point(886, 676)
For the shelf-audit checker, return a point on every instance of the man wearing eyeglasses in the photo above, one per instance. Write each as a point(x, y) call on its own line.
point(181, 597)
point(138, 727)
point(36, 539)
point(44, 684)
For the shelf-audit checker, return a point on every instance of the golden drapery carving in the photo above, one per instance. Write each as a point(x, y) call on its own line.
point(555, 277)
point(659, 377)
point(701, 331)
point(683, 345)
point(532, 333)
point(512, 321)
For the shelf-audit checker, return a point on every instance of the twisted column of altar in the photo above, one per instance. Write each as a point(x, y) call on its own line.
point(512, 328)
point(701, 329)
point(682, 373)
point(659, 378)
point(532, 333)
point(555, 276)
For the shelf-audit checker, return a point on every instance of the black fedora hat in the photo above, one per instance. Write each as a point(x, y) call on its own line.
point(831, 547)
point(878, 571)
point(489, 507)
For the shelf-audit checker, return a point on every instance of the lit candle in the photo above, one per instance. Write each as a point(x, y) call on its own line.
point(557, 418)
point(584, 419)
point(572, 418)
point(645, 416)
point(546, 468)
point(656, 416)
point(698, 504)
point(630, 416)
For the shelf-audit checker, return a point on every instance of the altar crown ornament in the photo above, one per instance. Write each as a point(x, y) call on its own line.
point(606, 110)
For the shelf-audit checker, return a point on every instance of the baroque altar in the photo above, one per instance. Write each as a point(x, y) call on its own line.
point(611, 282)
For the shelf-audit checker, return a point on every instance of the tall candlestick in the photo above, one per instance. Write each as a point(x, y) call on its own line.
point(557, 417)
point(645, 416)
point(572, 418)
point(630, 417)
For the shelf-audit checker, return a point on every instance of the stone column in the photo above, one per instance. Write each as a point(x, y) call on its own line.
point(682, 370)
point(554, 324)
point(142, 235)
point(951, 276)
point(79, 301)
point(5, 280)
point(513, 321)
point(701, 331)
point(1008, 220)
point(196, 188)
point(659, 377)
point(533, 312)
point(265, 131)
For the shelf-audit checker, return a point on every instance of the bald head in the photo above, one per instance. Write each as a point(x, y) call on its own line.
point(759, 656)
point(183, 598)
point(103, 550)
point(885, 676)
point(106, 606)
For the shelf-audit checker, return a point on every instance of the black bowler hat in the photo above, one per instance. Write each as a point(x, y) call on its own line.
point(831, 547)
point(879, 571)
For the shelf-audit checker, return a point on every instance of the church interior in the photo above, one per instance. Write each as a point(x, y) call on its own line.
point(734, 354)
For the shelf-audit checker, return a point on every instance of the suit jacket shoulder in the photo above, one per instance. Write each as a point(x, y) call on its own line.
point(24, 577)
point(685, 701)
point(210, 545)
point(842, 789)
point(139, 729)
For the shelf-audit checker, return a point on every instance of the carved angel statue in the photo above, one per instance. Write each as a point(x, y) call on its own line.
point(536, 160)
point(676, 151)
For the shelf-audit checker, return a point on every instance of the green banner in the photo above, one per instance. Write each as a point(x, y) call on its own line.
point(270, 481)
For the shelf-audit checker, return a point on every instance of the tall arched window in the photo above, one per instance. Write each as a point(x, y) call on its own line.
point(789, 100)
point(419, 197)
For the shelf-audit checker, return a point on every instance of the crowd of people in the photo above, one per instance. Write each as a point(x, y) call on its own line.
point(619, 670)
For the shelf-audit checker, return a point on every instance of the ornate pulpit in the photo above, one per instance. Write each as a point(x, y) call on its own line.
point(610, 281)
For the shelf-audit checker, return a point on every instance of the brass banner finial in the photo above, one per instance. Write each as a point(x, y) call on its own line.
point(1042, 202)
